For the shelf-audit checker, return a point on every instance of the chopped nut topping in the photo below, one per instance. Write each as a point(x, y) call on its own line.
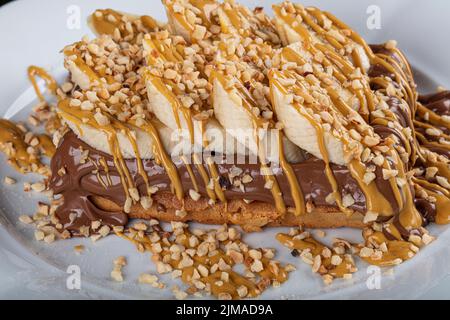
point(9, 180)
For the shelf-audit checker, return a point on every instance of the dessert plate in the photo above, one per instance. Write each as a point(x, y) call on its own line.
point(34, 32)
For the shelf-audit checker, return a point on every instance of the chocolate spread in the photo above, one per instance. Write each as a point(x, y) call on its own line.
point(84, 178)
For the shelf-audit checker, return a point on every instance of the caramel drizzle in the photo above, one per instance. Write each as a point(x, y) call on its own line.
point(390, 64)
point(13, 145)
point(441, 196)
point(97, 173)
point(46, 145)
point(236, 18)
point(12, 138)
point(180, 17)
point(409, 217)
point(316, 248)
point(397, 250)
point(296, 191)
point(432, 117)
point(105, 167)
point(33, 72)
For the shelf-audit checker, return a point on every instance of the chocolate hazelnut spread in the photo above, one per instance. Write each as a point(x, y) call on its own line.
point(84, 178)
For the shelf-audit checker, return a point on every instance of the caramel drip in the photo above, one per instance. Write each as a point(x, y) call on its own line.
point(342, 68)
point(409, 217)
point(160, 86)
point(215, 176)
point(236, 16)
point(443, 168)
point(170, 54)
point(203, 5)
point(296, 191)
point(342, 71)
point(419, 124)
point(293, 23)
point(397, 250)
point(212, 194)
point(163, 157)
point(102, 25)
point(46, 145)
point(132, 139)
point(13, 145)
point(424, 184)
point(391, 65)
point(347, 35)
point(375, 201)
point(401, 78)
point(316, 248)
point(343, 108)
point(33, 72)
point(161, 51)
point(97, 174)
point(106, 169)
point(442, 199)
point(432, 117)
point(118, 162)
point(390, 117)
point(205, 177)
point(190, 172)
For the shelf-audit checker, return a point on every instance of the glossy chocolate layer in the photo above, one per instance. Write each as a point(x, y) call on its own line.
point(96, 175)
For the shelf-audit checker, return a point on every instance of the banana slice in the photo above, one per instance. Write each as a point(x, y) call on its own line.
point(303, 126)
point(234, 109)
point(313, 27)
point(296, 54)
point(121, 24)
point(190, 18)
point(168, 110)
point(81, 74)
point(98, 139)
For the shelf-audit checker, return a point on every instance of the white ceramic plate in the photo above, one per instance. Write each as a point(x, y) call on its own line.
point(33, 32)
